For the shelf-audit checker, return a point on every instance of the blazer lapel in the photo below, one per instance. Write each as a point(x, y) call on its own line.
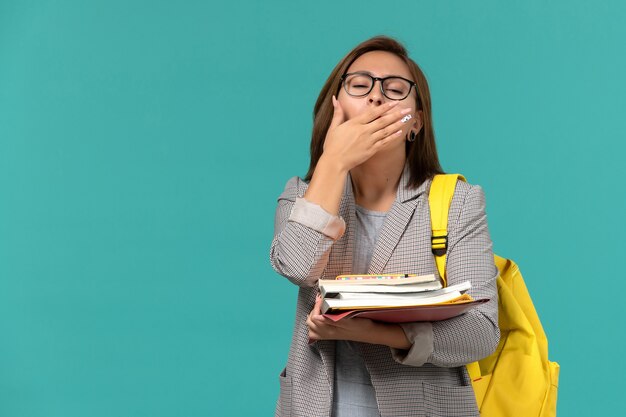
point(396, 222)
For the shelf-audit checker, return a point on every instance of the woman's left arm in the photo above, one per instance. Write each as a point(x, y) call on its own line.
point(475, 334)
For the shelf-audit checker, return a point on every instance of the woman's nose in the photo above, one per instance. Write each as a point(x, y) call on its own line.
point(375, 96)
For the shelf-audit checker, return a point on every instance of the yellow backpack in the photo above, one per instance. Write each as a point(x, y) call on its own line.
point(517, 379)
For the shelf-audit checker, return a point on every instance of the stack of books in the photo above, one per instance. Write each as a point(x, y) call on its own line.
point(398, 298)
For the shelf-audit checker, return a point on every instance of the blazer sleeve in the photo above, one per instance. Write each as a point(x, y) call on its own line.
point(475, 334)
point(303, 236)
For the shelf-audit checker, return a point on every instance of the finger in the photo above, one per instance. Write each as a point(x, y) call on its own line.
point(313, 333)
point(405, 115)
point(313, 323)
point(321, 332)
point(313, 330)
point(317, 308)
point(393, 128)
point(384, 142)
point(321, 324)
point(338, 115)
point(375, 112)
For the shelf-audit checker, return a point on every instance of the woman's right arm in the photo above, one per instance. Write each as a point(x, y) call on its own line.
point(303, 235)
point(307, 222)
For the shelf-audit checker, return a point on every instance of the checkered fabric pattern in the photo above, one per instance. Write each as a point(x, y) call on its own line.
point(429, 379)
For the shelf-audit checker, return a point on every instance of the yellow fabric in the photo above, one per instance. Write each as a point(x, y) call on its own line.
point(439, 203)
point(517, 379)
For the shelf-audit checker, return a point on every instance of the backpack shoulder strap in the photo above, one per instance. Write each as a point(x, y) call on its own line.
point(439, 200)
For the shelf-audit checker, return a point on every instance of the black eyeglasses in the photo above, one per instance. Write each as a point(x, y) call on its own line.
point(359, 84)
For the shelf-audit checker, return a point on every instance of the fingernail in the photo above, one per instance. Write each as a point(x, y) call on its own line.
point(406, 118)
point(405, 111)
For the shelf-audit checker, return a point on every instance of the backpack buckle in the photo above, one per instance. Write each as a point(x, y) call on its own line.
point(439, 245)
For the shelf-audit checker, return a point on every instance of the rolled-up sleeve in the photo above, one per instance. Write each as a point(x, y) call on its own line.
point(303, 236)
point(421, 335)
point(315, 217)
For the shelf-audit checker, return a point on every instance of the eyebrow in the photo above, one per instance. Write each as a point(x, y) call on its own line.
point(382, 76)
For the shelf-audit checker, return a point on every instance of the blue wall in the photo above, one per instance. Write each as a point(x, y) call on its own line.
point(143, 145)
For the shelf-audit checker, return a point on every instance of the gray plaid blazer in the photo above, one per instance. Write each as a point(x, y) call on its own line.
point(428, 380)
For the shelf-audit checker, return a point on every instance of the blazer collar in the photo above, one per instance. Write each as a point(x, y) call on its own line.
point(395, 224)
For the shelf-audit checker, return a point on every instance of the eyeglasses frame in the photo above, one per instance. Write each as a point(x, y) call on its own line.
point(380, 80)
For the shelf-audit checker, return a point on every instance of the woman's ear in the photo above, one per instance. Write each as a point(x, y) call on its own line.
point(418, 123)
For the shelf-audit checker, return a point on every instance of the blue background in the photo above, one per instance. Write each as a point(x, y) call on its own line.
point(143, 145)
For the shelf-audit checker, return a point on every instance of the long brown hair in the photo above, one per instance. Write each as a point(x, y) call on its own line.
point(422, 153)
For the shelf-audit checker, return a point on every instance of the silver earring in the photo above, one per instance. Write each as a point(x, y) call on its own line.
point(411, 137)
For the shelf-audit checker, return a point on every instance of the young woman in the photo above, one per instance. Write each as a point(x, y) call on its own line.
point(363, 208)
